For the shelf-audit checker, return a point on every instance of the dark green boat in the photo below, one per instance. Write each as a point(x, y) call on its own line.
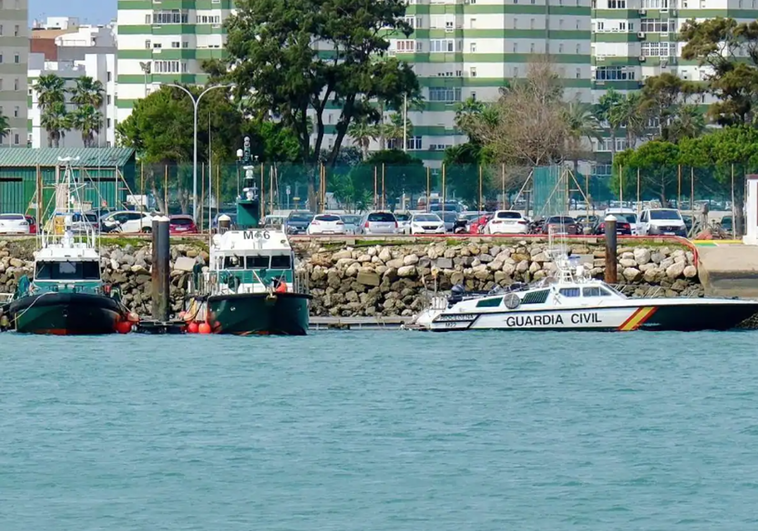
point(251, 286)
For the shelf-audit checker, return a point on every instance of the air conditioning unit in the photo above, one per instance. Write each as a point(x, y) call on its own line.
point(642, 11)
point(642, 58)
point(640, 34)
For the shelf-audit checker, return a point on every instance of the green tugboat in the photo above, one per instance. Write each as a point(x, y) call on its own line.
point(251, 287)
point(66, 295)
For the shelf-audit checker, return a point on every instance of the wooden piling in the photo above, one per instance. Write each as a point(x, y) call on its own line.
point(161, 281)
point(611, 246)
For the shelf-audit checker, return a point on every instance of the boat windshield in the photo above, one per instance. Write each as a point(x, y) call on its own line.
point(89, 270)
point(258, 262)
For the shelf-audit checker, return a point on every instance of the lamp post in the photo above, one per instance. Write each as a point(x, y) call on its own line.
point(195, 103)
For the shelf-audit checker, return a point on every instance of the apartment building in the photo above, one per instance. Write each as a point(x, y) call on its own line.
point(14, 51)
point(160, 45)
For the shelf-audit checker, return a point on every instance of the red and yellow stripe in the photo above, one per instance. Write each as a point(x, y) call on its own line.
point(638, 318)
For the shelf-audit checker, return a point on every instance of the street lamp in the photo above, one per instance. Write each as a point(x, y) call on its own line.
point(195, 103)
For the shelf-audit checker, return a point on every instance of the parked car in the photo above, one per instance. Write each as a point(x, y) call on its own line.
point(507, 222)
point(127, 221)
point(448, 217)
point(272, 221)
point(622, 226)
point(622, 215)
point(32, 224)
point(379, 223)
point(326, 224)
point(727, 224)
point(476, 226)
point(298, 221)
point(181, 224)
point(561, 225)
point(13, 224)
point(688, 222)
point(424, 223)
point(85, 222)
point(662, 221)
point(352, 222)
point(403, 222)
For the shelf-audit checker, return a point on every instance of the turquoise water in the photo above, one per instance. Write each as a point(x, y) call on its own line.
point(380, 431)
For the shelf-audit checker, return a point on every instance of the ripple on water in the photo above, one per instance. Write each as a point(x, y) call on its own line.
point(384, 431)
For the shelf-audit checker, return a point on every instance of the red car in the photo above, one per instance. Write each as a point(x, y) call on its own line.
point(181, 224)
point(32, 224)
point(476, 227)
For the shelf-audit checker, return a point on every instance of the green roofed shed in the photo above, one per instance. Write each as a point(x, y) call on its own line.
point(107, 175)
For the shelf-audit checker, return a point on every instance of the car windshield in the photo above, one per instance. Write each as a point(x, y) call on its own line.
point(402, 217)
point(384, 217)
point(301, 217)
point(328, 217)
point(426, 217)
point(508, 215)
point(181, 221)
point(352, 220)
point(560, 219)
point(665, 214)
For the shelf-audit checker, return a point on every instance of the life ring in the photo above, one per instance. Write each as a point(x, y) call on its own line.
point(512, 301)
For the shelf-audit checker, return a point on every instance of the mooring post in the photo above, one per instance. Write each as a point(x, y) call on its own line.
point(611, 244)
point(161, 271)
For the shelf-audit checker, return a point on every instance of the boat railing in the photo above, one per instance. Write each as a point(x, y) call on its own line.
point(302, 282)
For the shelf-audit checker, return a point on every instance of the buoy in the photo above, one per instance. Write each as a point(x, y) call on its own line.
point(192, 328)
point(133, 317)
point(123, 327)
point(204, 328)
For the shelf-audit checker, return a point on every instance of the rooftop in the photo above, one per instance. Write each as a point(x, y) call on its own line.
point(88, 157)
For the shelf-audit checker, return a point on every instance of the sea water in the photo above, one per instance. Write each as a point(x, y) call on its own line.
point(380, 431)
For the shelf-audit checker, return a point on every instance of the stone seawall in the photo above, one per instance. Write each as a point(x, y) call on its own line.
point(389, 278)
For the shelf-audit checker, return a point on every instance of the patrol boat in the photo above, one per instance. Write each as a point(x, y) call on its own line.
point(571, 300)
point(67, 295)
point(251, 286)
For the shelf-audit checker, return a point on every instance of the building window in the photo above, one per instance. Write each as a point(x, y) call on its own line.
point(176, 44)
point(147, 19)
point(472, 23)
point(442, 45)
point(405, 46)
point(169, 67)
point(531, 23)
point(157, 45)
point(658, 49)
point(185, 44)
point(515, 71)
point(560, 47)
point(445, 94)
point(654, 25)
point(413, 143)
point(614, 73)
point(173, 16)
point(515, 47)
point(616, 4)
point(108, 122)
point(16, 31)
point(109, 76)
point(1, 27)
point(578, 73)
point(15, 84)
point(107, 99)
point(15, 112)
point(655, 4)
point(16, 58)
point(16, 140)
point(148, 44)
point(472, 71)
point(472, 47)
point(1, 58)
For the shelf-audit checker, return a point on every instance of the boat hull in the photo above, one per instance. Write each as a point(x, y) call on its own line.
point(259, 314)
point(66, 314)
point(652, 315)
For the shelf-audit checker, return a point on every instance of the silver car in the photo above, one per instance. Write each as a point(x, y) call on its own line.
point(379, 223)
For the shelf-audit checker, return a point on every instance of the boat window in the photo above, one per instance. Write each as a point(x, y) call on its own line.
point(595, 291)
point(569, 292)
point(281, 261)
point(67, 271)
point(257, 262)
point(233, 262)
point(489, 303)
point(535, 297)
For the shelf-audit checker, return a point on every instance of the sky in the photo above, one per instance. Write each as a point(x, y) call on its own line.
point(88, 11)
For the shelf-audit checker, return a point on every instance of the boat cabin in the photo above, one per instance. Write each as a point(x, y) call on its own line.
point(251, 261)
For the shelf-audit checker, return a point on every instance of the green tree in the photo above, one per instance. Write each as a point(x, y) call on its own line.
point(687, 122)
point(657, 164)
point(362, 132)
point(662, 98)
point(4, 127)
point(394, 131)
point(276, 58)
point(608, 115)
point(50, 89)
point(88, 120)
point(87, 91)
point(582, 125)
point(730, 49)
point(56, 121)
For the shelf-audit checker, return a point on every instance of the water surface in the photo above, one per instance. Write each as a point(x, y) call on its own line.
point(380, 431)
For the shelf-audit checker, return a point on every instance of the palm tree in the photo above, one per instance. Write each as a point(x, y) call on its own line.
point(87, 92)
point(56, 122)
point(687, 122)
point(394, 129)
point(362, 132)
point(88, 120)
point(630, 114)
point(606, 113)
point(4, 127)
point(50, 90)
point(581, 123)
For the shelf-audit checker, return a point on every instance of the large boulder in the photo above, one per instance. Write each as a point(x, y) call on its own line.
point(406, 271)
point(632, 274)
point(641, 255)
point(368, 278)
point(675, 270)
point(690, 271)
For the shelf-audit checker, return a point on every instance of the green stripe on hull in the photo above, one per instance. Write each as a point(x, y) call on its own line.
point(249, 314)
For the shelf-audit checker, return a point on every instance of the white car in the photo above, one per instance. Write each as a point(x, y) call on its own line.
point(127, 221)
point(13, 224)
point(662, 221)
point(624, 214)
point(326, 224)
point(507, 222)
point(426, 224)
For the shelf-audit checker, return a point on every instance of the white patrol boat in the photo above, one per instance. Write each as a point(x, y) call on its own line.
point(571, 300)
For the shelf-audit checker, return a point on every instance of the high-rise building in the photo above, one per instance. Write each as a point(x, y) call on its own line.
point(159, 45)
point(14, 51)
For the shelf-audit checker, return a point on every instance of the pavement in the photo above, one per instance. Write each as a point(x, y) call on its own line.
point(729, 269)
